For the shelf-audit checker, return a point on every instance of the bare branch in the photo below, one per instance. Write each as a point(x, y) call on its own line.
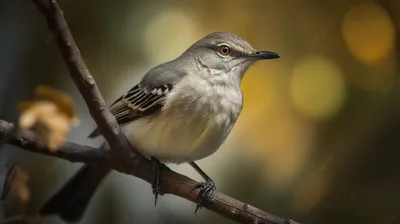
point(172, 182)
point(82, 77)
point(29, 141)
point(122, 157)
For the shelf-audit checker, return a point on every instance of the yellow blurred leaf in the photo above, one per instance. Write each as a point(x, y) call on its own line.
point(63, 101)
point(51, 115)
point(19, 185)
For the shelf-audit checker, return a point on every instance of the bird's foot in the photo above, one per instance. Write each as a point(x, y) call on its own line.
point(155, 185)
point(206, 189)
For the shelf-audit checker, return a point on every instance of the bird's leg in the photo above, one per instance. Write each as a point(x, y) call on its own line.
point(206, 188)
point(156, 177)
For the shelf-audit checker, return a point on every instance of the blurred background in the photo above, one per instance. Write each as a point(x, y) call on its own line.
point(318, 139)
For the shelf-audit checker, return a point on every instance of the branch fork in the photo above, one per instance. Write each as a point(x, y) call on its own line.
point(133, 163)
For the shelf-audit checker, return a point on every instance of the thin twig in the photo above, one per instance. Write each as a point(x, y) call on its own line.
point(122, 157)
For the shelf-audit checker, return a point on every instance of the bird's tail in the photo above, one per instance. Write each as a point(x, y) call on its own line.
point(71, 201)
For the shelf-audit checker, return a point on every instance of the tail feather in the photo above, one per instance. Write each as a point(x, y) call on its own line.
point(71, 201)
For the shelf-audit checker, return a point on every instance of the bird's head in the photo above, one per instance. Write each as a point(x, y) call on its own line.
point(226, 53)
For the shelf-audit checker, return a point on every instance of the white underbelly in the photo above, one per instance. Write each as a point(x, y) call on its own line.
point(173, 139)
point(190, 126)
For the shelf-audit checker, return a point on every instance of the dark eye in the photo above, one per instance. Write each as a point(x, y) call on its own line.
point(224, 50)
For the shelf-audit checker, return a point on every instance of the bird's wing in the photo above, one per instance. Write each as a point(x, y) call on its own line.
point(138, 102)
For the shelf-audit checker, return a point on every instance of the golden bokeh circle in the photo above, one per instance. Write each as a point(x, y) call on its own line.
point(317, 87)
point(369, 32)
point(170, 33)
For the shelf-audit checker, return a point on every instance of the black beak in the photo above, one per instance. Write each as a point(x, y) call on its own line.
point(261, 55)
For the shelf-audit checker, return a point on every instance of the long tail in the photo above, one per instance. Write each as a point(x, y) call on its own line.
point(71, 201)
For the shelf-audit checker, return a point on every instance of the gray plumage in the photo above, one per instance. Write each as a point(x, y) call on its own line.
point(184, 109)
point(181, 111)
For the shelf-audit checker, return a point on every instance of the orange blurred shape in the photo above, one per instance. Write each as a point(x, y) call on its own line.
point(51, 115)
point(368, 32)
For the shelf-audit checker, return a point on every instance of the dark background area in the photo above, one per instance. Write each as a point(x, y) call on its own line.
point(317, 140)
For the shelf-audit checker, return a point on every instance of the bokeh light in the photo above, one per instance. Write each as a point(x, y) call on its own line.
point(260, 91)
point(368, 32)
point(178, 30)
point(266, 124)
point(319, 99)
point(317, 87)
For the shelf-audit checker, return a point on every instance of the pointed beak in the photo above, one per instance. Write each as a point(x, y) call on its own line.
point(262, 55)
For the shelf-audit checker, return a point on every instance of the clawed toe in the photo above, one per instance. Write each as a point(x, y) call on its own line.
point(155, 185)
point(206, 189)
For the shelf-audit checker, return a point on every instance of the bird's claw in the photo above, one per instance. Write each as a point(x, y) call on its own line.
point(156, 191)
point(206, 190)
point(155, 185)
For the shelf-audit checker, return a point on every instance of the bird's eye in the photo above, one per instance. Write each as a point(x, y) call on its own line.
point(224, 50)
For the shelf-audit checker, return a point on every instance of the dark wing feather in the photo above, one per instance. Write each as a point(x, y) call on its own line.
point(136, 103)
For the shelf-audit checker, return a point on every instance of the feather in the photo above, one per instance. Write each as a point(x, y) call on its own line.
point(136, 103)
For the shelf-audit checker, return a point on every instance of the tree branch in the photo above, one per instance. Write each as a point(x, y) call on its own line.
point(82, 78)
point(122, 157)
point(172, 182)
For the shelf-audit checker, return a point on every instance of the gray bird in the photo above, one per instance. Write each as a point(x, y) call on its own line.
point(180, 112)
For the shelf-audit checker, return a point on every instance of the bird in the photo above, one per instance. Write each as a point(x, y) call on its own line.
point(180, 112)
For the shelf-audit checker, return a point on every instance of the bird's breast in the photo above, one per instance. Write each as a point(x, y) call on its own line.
point(194, 122)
